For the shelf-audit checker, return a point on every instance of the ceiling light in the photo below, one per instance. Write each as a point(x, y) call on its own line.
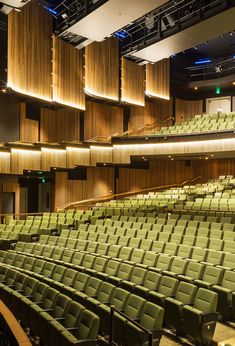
point(64, 15)
point(195, 88)
point(233, 83)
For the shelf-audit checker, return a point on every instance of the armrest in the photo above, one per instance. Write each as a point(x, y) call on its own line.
point(59, 318)
point(209, 317)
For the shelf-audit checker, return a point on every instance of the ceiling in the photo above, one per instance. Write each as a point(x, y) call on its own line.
point(112, 16)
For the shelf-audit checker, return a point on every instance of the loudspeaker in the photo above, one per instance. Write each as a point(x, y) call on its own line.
point(79, 173)
point(187, 163)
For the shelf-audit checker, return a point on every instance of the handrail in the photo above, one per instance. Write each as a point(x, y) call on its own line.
point(146, 331)
point(143, 127)
point(128, 132)
point(15, 328)
point(129, 193)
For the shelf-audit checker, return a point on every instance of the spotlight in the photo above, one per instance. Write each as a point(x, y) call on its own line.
point(233, 83)
point(64, 15)
point(195, 88)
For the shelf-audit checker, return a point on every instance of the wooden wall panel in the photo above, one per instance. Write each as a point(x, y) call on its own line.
point(68, 74)
point(186, 109)
point(102, 120)
point(164, 172)
point(78, 157)
point(28, 127)
point(132, 83)
point(100, 182)
point(158, 79)
point(29, 51)
point(60, 125)
point(53, 158)
point(102, 69)
point(5, 162)
point(152, 112)
point(101, 155)
point(25, 160)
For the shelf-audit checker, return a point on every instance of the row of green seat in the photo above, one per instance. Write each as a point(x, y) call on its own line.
point(170, 294)
point(52, 316)
point(148, 240)
point(121, 267)
point(175, 216)
point(92, 292)
point(211, 257)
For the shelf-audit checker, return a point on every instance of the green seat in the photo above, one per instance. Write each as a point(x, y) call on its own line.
point(133, 309)
point(110, 269)
point(91, 289)
point(124, 254)
point(199, 255)
point(199, 320)
point(211, 276)
point(136, 257)
point(167, 288)
point(193, 272)
point(228, 262)
point(224, 292)
point(151, 319)
point(163, 263)
point(214, 257)
point(149, 260)
point(158, 246)
point(123, 273)
point(136, 277)
point(185, 295)
point(99, 265)
point(178, 267)
point(170, 249)
point(184, 251)
point(118, 300)
point(104, 295)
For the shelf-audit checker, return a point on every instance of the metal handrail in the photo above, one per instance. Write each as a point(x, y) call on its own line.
point(146, 331)
point(129, 193)
point(128, 132)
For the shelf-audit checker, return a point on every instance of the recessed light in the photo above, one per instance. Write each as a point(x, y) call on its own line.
point(195, 88)
point(233, 83)
point(212, 155)
point(206, 158)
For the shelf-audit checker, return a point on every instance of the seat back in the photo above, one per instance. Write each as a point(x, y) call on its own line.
point(205, 300)
point(186, 293)
point(88, 326)
point(152, 316)
point(168, 286)
point(152, 280)
point(134, 306)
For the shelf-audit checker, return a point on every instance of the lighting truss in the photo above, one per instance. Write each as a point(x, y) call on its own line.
point(166, 20)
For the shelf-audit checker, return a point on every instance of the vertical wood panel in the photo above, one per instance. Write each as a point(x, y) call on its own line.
point(29, 51)
point(132, 83)
point(102, 69)
point(53, 158)
point(186, 109)
point(102, 120)
point(152, 112)
point(158, 79)
point(5, 162)
point(100, 182)
point(28, 127)
point(68, 74)
point(25, 160)
point(60, 125)
point(164, 172)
